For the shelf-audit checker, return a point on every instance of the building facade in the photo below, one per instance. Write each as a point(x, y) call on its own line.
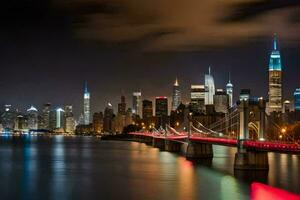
point(210, 88)
point(32, 118)
point(297, 99)
point(221, 101)
point(136, 103)
point(197, 104)
point(176, 96)
point(229, 92)
point(275, 79)
point(161, 111)
point(86, 105)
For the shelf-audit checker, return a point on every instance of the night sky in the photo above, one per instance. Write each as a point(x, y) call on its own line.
point(50, 47)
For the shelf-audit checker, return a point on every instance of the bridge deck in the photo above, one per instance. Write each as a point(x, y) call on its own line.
point(249, 144)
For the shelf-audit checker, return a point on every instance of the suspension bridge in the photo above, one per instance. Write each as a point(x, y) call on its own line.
point(243, 127)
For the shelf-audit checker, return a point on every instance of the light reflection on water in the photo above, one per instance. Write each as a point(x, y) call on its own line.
point(87, 168)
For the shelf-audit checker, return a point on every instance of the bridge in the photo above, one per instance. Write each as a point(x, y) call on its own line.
point(243, 127)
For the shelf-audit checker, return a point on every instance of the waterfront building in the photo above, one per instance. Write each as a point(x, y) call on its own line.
point(69, 120)
point(32, 118)
point(161, 111)
point(45, 118)
point(275, 79)
point(21, 124)
point(197, 104)
point(98, 122)
point(210, 88)
point(59, 118)
point(8, 118)
point(107, 119)
point(86, 105)
point(176, 97)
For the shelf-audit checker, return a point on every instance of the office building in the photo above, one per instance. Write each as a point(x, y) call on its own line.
point(161, 111)
point(86, 105)
point(221, 101)
point(32, 118)
point(275, 79)
point(176, 97)
point(209, 88)
point(197, 104)
point(136, 103)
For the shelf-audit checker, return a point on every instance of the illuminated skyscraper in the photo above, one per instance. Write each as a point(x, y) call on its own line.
point(86, 105)
point(229, 92)
point(275, 79)
point(32, 115)
point(210, 88)
point(297, 99)
point(69, 121)
point(176, 98)
point(137, 103)
point(197, 98)
point(59, 120)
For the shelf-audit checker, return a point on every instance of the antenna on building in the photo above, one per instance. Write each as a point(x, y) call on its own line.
point(176, 82)
point(275, 41)
point(85, 87)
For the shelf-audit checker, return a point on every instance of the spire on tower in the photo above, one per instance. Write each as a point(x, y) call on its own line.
point(275, 42)
point(85, 87)
point(176, 82)
point(208, 70)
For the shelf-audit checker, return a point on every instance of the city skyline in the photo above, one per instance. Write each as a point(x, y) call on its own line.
point(52, 52)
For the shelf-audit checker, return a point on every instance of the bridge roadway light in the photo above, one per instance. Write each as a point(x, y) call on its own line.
point(283, 130)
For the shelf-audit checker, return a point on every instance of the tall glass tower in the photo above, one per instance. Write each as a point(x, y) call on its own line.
point(176, 98)
point(210, 88)
point(275, 79)
point(137, 103)
point(297, 99)
point(86, 105)
point(229, 91)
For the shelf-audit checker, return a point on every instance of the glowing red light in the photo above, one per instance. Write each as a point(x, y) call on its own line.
point(261, 191)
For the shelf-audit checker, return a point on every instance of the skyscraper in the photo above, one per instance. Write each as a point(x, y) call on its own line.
point(59, 120)
point(221, 101)
point(197, 99)
point(210, 88)
point(136, 103)
point(275, 79)
point(69, 120)
point(32, 115)
point(161, 111)
point(176, 97)
point(122, 106)
point(297, 99)
point(107, 119)
point(86, 105)
point(229, 92)
point(46, 116)
point(147, 109)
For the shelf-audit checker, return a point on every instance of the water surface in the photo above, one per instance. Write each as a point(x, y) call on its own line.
point(87, 168)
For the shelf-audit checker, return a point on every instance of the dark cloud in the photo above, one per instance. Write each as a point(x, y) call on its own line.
point(181, 25)
point(248, 10)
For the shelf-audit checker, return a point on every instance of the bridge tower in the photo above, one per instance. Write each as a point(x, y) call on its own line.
point(251, 159)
